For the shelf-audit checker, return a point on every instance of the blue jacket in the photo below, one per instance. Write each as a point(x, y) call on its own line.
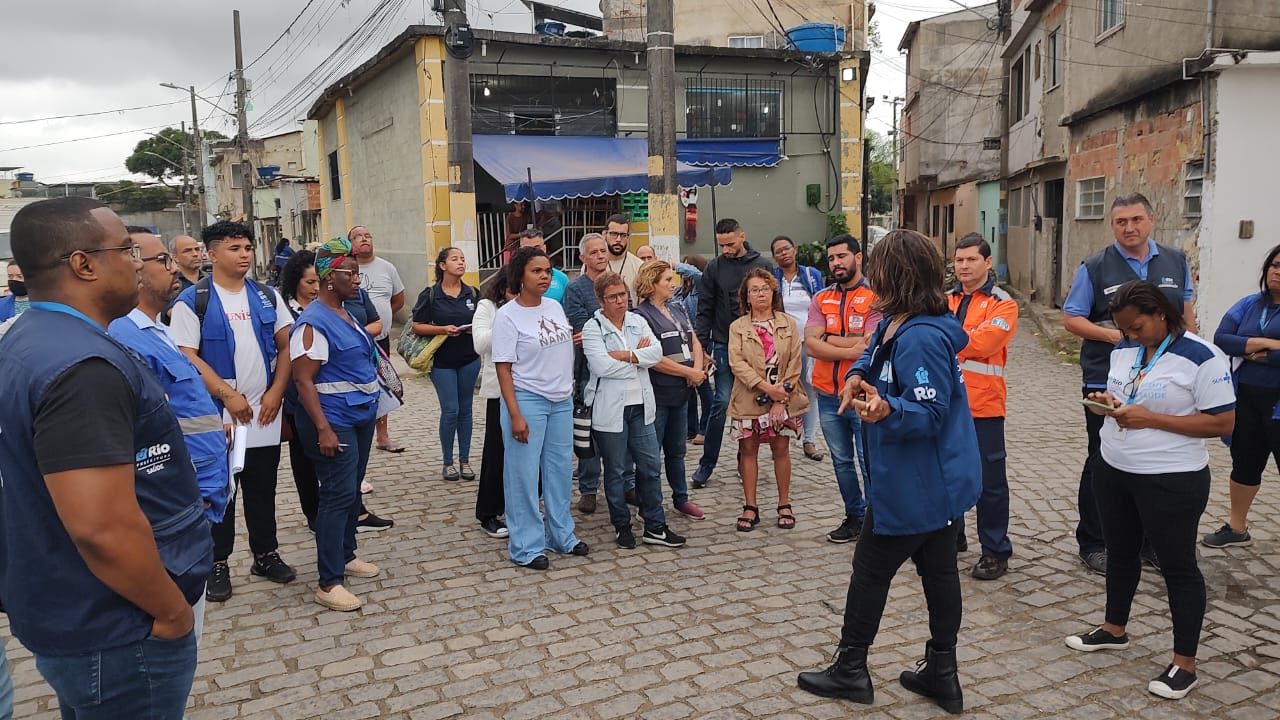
point(198, 416)
point(1244, 321)
point(7, 306)
point(218, 344)
point(348, 382)
point(923, 460)
point(809, 276)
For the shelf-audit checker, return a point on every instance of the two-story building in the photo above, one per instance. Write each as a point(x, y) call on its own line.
point(769, 137)
point(949, 174)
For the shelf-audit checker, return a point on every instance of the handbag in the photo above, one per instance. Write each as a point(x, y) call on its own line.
point(423, 359)
point(584, 445)
point(388, 378)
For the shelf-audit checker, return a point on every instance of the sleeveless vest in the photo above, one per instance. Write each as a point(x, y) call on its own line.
point(56, 606)
point(198, 417)
point(217, 343)
point(348, 381)
point(1108, 270)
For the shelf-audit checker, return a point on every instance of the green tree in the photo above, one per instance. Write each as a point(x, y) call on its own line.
point(880, 173)
point(165, 156)
point(128, 196)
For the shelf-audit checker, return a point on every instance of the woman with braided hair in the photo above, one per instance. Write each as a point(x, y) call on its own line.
point(335, 370)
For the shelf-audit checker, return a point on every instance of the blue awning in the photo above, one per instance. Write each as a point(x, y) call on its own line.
point(575, 167)
point(738, 152)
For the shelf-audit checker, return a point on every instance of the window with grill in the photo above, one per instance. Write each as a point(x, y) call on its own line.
point(746, 41)
point(733, 108)
point(237, 176)
point(1091, 198)
point(335, 177)
point(530, 105)
point(1193, 188)
point(1110, 15)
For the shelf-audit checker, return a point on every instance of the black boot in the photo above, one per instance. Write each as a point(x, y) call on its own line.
point(847, 678)
point(935, 677)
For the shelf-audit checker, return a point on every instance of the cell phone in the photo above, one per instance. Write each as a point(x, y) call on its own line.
point(1094, 404)
point(464, 328)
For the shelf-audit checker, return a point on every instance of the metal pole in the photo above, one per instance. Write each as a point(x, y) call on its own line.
point(242, 137)
point(197, 159)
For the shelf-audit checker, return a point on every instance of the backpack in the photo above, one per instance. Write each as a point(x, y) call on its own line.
point(203, 288)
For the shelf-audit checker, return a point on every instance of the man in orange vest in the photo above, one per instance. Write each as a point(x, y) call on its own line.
point(840, 323)
point(990, 316)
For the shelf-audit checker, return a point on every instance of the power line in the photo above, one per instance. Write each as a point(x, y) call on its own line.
point(91, 114)
point(91, 137)
point(282, 35)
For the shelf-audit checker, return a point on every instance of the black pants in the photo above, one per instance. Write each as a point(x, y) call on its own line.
point(258, 489)
point(1168, 507)
point(993, 503)
point(1089, 529)
point(1256, 437)
point(490, 500)
point(877, 559)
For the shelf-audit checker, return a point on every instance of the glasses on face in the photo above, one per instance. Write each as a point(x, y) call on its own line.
point(1275, 265)
point(617, 235)
point(616, 297)
point(134, 251)
point(164, 258)
point(760, 291)
point(355, 276)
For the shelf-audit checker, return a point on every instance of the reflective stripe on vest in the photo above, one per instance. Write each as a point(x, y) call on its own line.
point(201, 424)
point(337, 388)
point(982, 368)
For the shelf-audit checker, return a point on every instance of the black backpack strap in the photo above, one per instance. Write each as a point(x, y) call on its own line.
point(202, 298)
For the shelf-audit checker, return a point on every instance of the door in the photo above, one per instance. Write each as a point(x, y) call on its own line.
point(1053, 190)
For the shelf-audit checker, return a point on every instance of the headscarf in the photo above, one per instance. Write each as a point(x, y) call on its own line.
point(337, 249)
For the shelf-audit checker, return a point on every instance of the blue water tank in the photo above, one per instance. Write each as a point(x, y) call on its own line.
point(816, 37)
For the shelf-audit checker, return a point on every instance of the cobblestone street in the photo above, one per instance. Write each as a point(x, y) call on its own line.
point(720, 628)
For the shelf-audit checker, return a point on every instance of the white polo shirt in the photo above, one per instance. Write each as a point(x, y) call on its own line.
point(1191, 376)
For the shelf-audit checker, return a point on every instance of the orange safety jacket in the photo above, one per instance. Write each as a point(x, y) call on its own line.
point(990, 319)
point(845, 313)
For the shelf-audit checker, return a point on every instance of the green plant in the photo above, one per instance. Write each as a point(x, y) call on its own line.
point(837, 224)
point(813, 254)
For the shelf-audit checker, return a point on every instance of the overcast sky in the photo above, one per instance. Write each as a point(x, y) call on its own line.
point(72, 57)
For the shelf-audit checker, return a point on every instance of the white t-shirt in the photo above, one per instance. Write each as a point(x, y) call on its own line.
point(252, 379)
point(1191, 376)
point(538, 342)
point(319, 350)
point(379, 278)
point(795, 299)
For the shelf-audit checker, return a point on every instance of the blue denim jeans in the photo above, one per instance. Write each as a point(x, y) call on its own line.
point(589, 472)
point(641, 442)
point(719, 408)
point(811, 420)
point(549, 449)
point(6, 685)
point(148, 679)
point(670, 426)
point(339, 478)
point(843, 434)
point(700, 410)
point(455, 388)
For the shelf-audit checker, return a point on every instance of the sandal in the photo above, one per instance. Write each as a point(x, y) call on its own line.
point(788, 521)
point(812, 452)
point(391, 447)
point(746, 524)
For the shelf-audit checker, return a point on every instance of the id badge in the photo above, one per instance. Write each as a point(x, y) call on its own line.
point(684, 350)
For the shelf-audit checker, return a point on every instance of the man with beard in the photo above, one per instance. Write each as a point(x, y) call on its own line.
point(836, 334)
point(104, 548)
point(617, 233)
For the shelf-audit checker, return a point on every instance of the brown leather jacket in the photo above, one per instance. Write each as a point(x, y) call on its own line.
point(746, 359)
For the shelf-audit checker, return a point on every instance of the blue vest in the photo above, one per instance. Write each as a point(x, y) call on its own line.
point(56, 606)
point(8, 305)
point(1108, 270)
point(218, 345)
point(810, 277)
point(348, 381)
point(199, 418)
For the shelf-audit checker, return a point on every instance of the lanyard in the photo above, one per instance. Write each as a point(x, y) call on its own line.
point(1144, 371)
point(65, 310)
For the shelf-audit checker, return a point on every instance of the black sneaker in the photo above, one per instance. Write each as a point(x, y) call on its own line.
point(495, 528)
point(1099, 639)
point(538, 563)
point(990, 568)
point(1226, 537)
point(1174, 683)
point(580, 550)
point(1095, 561)
point(626, 539)
point(701, 476)
point(218, 588)
point(662, 536)
point(848, 531)
point(271, 567)
point(373, 522)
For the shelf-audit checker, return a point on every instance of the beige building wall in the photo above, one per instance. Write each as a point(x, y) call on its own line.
point(699, 22)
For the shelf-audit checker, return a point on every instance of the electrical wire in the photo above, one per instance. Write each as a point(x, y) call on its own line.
point(282, 35)
point(91, 114)
point(82, 139)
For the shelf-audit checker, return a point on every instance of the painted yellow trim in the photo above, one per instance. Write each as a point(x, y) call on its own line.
point(323, 172)
point(851, 129)
point(344, 164)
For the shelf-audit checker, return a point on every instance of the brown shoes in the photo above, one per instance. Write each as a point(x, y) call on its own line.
point(587, 504)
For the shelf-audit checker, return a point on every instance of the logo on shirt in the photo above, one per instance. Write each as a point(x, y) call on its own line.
point(1167, 282)
point(1000, 323)
point(886, 372)
point(551, 332)
point(152, 459)
point(922, 376)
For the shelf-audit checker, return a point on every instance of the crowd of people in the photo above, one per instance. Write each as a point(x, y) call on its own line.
point(198, 379)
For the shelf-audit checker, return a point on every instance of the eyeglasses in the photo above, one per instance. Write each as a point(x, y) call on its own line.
point(355, 274)
point(616, 297)
point(617, 235)
point(164, 258)
point(760, 291)
point(1275, 265)
point(133, 250)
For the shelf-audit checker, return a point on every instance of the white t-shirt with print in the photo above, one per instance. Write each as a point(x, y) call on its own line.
point(380, 279)
point(1191, 376)
point(538, 342)
point(252, 377)
point(795, 299)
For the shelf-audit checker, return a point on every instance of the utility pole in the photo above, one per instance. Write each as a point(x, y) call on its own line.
point(457, 89)
point(197, 158)
point(894, 102)
point(660, 59)
point(242, 137)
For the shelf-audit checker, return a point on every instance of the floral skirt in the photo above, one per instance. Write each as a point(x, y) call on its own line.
point(764, 430)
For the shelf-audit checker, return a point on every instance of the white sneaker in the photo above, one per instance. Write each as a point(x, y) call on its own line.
point(361, 569)
point(338, 598)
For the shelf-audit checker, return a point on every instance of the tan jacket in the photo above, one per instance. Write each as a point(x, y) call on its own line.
point(746, 359)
